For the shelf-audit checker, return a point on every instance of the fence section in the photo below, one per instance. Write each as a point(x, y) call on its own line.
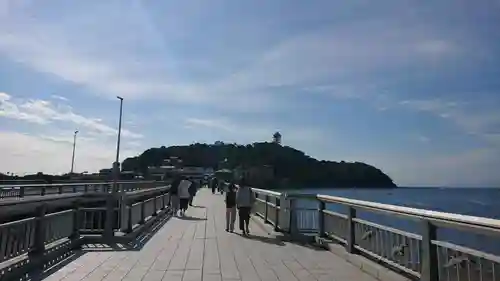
point(421, 254)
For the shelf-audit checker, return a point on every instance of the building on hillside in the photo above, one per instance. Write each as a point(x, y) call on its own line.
point(173, 161)
point(196, 172)
point(255, 175)
point(161, 172)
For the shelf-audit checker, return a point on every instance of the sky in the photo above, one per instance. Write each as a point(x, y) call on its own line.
point(411, 87)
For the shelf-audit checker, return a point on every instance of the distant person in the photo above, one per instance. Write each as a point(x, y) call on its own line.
point(245, 199)
point(193, 188)
point(230, 208)
point(174, 195)
point(213, 185)
point(184, 195)
point(222, 187)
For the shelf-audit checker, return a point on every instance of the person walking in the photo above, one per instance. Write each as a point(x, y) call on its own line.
point(245, 199)
point(184, 195)
point(193, 188)
point(174, 195)
point(230, 208)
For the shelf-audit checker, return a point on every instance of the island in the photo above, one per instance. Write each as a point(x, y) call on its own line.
point(264, 164)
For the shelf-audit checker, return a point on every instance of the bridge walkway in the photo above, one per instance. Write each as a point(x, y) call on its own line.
point(197, 247)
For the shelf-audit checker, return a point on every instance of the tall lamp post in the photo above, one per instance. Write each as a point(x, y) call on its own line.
point(117, 160)
point(112, 199)
point(73, 157)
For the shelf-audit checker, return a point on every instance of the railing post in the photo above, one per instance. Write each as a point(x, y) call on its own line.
point(37, 251)
point(123, 211)
point(86, 188)
point(163, 203)
point(285, 213)
point(60, 189)
point(76, 221)
point(277, 213)
point(154, 207)
point(143, 212)
point(265, 206)
point(293, 218)
point(74, 188)
point(129, 221)
point(39, 237)
point(429, 253)
point(21, 191)
point(43, 191)
point(321, 219)
point(351, 239)
point(125, 214)
point(110, 216)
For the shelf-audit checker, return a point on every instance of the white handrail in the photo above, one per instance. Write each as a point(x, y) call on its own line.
point(407, 211)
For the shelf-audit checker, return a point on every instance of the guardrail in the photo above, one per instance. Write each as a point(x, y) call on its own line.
point(23, 190)
point(420, 255)
point(44, 237)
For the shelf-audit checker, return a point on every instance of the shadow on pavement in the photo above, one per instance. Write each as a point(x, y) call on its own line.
point(198, 206)
point(187, 218)
point(263, 239)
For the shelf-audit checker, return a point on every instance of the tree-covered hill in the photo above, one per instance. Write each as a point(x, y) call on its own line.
point(288, 163)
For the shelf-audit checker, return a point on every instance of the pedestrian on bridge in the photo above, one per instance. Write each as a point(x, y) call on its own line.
point(193, 188)
point(174, 195)
point(213, 184)
point(184, 195)
point(245, 199)
point(230, 207)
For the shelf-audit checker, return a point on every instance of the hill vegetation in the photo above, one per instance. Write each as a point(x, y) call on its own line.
point(289, 164)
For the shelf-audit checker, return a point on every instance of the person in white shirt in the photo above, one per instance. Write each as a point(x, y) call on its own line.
point(184, 195)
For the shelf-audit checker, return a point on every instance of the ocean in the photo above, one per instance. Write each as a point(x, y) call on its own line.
point(482, 202)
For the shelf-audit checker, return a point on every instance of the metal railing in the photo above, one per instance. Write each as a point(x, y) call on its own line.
point(421, 254)
point(24, 190)
point(45, 235)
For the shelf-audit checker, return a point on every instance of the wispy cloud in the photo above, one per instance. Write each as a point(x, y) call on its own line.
point(44, 112)
point(209, 123)
point(484, 123)
point(57, 97)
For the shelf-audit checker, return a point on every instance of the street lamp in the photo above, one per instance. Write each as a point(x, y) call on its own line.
point(73, 157)
point(112, 200)
point(117, 160)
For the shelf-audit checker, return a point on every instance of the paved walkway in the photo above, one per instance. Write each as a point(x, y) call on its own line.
point(198, 248)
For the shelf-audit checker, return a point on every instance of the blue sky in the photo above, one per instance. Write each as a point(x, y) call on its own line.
point(408, 86)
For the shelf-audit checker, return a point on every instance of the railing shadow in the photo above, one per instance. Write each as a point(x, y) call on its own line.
point(34, 276)
point(136, 244)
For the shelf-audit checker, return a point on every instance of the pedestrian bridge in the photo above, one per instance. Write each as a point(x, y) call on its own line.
point(68, 237)
point(197, 247)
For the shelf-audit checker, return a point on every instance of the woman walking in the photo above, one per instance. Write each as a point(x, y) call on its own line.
point(245, 199)
point(184, 195)
point(230, 208)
